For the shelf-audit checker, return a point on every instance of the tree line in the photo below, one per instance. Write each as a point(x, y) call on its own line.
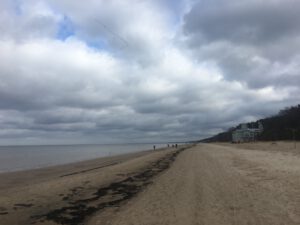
point(283, 126)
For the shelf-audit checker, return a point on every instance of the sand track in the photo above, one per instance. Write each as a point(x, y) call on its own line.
point(219, 185)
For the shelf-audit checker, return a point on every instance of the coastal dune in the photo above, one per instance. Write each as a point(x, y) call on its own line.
point(220, 184)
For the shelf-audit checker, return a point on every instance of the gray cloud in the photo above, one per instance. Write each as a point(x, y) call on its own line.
point(20, 21)
point(247, 22)
point(91, 86)
point(251, 41)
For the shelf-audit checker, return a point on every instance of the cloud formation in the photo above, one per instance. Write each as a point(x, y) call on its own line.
point(112, 72)
point(253, 42)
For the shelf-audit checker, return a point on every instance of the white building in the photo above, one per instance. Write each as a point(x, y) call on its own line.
point(246, 134)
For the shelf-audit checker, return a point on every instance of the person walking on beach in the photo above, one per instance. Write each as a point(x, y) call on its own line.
point(153, 147)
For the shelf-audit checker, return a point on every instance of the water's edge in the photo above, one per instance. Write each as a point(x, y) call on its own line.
point(20, 158)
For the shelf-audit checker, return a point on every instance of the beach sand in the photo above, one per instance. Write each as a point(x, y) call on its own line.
point(221, 184)
point(29, 197)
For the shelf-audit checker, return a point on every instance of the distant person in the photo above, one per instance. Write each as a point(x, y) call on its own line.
point(175, 145)
point(168, 145)
point(153, 147)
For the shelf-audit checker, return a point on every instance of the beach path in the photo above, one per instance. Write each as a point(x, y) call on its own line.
point(218, 185)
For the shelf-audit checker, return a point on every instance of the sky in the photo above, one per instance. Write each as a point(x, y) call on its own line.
point(132, 71)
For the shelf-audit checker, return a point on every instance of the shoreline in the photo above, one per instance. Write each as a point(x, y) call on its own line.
point(21, 177)
point(34, 196)
point(25, 158)
point(112, 155)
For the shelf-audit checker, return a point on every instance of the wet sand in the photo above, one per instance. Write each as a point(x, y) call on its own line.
point(10, 180)
point(213, 184)
point(70, 194)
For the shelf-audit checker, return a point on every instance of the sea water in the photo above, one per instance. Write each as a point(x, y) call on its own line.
point(14, 158)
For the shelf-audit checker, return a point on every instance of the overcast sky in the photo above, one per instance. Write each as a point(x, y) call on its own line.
point(100, 71)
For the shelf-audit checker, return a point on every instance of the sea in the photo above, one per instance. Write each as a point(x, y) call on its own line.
point(16, 158)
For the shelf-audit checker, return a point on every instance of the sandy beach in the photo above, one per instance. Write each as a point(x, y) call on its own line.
point(222, 184)
point(31, 197)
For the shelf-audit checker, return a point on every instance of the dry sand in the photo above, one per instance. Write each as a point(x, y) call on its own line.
point(222, 184)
